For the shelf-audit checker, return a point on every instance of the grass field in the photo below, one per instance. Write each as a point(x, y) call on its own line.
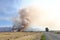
point(43, 37)
point(57, 32)
point(20, 35)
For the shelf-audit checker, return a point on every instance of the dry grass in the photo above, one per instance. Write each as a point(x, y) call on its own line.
point(20, 35)
point(57, 32)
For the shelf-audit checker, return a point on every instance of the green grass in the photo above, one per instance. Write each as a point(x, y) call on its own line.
point(43, 37)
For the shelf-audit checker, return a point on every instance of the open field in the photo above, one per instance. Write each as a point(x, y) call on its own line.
point(20, 35)
point(57, 32)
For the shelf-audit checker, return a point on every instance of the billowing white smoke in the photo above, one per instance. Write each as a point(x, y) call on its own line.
point(39, 14)
point(17, 23)
point(30, 17)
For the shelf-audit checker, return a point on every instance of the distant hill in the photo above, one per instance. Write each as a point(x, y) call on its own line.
point(5, 29)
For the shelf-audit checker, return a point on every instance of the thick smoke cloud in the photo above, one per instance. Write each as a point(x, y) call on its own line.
point(34, 15)
point(30, 16)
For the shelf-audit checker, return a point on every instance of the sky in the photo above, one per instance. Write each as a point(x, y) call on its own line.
point(10, 8)
point(51, 18)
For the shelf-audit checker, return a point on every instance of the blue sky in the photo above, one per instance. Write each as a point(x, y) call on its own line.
point(8, 10)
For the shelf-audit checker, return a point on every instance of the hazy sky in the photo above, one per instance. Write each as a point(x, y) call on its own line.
point(9, 9)
point(51, 17)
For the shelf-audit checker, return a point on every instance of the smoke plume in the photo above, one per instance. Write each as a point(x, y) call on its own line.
point(36, 16)
point(30, 15)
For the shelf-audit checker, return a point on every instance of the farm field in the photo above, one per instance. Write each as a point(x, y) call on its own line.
point(20, 35)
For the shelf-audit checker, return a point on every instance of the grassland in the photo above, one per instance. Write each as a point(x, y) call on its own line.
point(43, 37)
point(57, 32)
point(20, 35)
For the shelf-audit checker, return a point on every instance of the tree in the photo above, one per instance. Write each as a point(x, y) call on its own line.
point(46, 29)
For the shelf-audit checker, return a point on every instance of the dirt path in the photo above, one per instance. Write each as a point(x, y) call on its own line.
point(52, 36)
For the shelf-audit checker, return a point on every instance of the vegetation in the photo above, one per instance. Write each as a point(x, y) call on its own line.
point(46, 29)
point(43, 37)
point(20, 35)
point(57, 32)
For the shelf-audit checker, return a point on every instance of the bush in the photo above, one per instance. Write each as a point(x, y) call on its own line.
point(43, 37)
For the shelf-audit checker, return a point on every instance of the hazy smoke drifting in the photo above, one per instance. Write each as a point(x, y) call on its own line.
point(30, 15)
point(33, 15)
